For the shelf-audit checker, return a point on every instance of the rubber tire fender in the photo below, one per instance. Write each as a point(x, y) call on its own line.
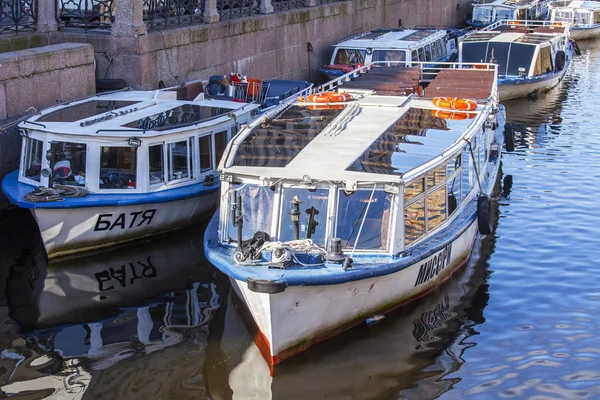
point(509, 137)
point(485, 217)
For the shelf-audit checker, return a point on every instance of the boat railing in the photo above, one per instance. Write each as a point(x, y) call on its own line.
point(518, 23)
point(429, 71)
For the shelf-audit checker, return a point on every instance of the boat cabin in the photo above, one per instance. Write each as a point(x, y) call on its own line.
point(381, 172)
point(486, 12)
point(519, 50)
point(575, 12)
point(394, 45)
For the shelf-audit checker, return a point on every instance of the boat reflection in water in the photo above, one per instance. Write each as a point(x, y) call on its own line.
point(83, 317)
point(421, 342)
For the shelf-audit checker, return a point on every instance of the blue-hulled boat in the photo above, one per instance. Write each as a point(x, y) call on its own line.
point(486, 12)
point(532, 56)
point(124, 165)
point(333, 211)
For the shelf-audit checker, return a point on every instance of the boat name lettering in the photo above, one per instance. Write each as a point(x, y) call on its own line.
point(434, 266)
point(145, 269)
point(106, 117)
point(105, 222)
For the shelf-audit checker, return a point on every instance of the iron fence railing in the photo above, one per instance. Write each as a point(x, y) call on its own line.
point(229, 9)
point(86, 14)
point(327, 1)
point(279, 5)
point(18, 16)
point(163, 13)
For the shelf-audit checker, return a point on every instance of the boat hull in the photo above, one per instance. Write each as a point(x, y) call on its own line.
point(577, 33)
point(67, 231)
point(292, 321)
point(514, 89)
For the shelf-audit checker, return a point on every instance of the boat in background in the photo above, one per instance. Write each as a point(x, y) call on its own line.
point(582, 17)
point(423, 44)
point(128, 164)
point(486, 12)
point(372, 198)
point(532, 56)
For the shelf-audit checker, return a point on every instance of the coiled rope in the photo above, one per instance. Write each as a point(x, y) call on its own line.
point(282, 252)
point(43, 194)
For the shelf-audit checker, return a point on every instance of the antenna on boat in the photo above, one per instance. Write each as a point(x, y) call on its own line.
point(295, 217)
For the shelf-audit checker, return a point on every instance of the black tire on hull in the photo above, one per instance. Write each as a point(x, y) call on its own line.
point(509, 137)
point(485, 217)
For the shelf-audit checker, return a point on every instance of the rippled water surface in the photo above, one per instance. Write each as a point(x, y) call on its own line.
point(154, 321)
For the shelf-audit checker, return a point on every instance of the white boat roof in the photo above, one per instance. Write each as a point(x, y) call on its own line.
point(576, 4)
point(371, 138)
point(507, 3)
point(134, 114)
point(392, 39)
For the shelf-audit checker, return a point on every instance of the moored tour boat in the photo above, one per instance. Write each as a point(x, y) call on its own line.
point(532, 56)
point(486, 12)
point(335, 212)
point(583, 17)
point(392, 45)
point(119, 166)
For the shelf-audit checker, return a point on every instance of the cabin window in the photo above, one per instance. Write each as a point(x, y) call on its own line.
point(118, 166)
point(414, 222)
point(453, 165)
point(436, 208)
point(582, 18)
point(388, 55)
point(221, 140)
point(596, 17)
point(482, 14)
point(421, 54)
point(521, 14)
point(351, 214)
point(178, 156)
point(441, 44)
point(435, 50)
point(414, 56)
point(414, 189)
point(257, 210)
point(68, 163)
point(467, 173)
point(313, 214)
point(192, 152)
point(33, 159)
point(436, 176)
point(453, 194)
point(156, 164)
point(427, 50)
point(205, 153)
point(503, 14)
point(350, 56)
point(544, 62)
point(520, 59)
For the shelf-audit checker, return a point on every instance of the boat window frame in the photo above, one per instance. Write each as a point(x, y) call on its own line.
point(138, 171)
point(154, 186)
point(25, 150)
point(178, 181)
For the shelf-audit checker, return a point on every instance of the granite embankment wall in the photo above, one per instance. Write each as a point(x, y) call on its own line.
point(35, 78)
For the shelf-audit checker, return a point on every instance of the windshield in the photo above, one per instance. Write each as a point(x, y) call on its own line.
point(350, 56)
point(304, 214)
point(482, 14)
point(509, 56)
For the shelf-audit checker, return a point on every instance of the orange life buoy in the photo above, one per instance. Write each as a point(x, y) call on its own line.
point(455, 103)
point(451, 114)
point(514, 23)
point(318, 107)
point(559, 24)
point(480, 66)
point(326, 97)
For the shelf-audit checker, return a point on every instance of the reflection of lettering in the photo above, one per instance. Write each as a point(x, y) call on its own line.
point(108, 222)
point(109, 278)
point(430, 320)
point(434, 266)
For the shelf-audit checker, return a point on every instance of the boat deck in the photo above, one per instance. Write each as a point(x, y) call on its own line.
point(465, 83)
point(387, 81)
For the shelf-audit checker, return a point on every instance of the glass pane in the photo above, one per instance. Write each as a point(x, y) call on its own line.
point(351, 213)
point(184, 115)
point(453, 195)
point(33, 159)
point(156, 164)
point(118, 167)
point(177, 154)
point(205, 153)
point(85, 110)
point(453, 165)
point(467, 173)
point(436, 208)
point(220, 144)
point(68, 163)
point(350, 56)
point(436, 176)
point(191, 144)
point(257, 210)
point(388, 55)
point(414, 189)
point(427, 53)
point(312, 203)
point(414, 222)
point(520, 58)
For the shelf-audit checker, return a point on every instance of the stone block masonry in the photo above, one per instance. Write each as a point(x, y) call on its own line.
point(38, 78)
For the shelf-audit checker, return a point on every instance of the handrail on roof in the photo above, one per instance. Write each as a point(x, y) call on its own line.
point(519, 22)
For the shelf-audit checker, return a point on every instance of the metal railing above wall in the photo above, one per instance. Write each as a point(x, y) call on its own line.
point(287, 4)
point(163, 13)
point(229, 9)
point(18, 16)
point(86, 14)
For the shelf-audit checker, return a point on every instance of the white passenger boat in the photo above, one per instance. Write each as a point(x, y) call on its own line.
point(532, 56)
point(129, 164)
point(392, 45)
point(583, 17)
point(486, 12)
point(333, 212)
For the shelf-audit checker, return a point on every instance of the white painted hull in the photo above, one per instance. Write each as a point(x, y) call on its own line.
point(72, 230)
point(296, 318)
point(509, 92)
point(584, 33)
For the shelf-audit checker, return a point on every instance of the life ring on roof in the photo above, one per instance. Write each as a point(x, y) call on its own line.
point(514, 23)
point(319, 107)
point(480, 66)
point(455, 103)
point(452, 114)
point(327, 97)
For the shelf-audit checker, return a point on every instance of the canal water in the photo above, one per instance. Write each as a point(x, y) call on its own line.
point(154, 321)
